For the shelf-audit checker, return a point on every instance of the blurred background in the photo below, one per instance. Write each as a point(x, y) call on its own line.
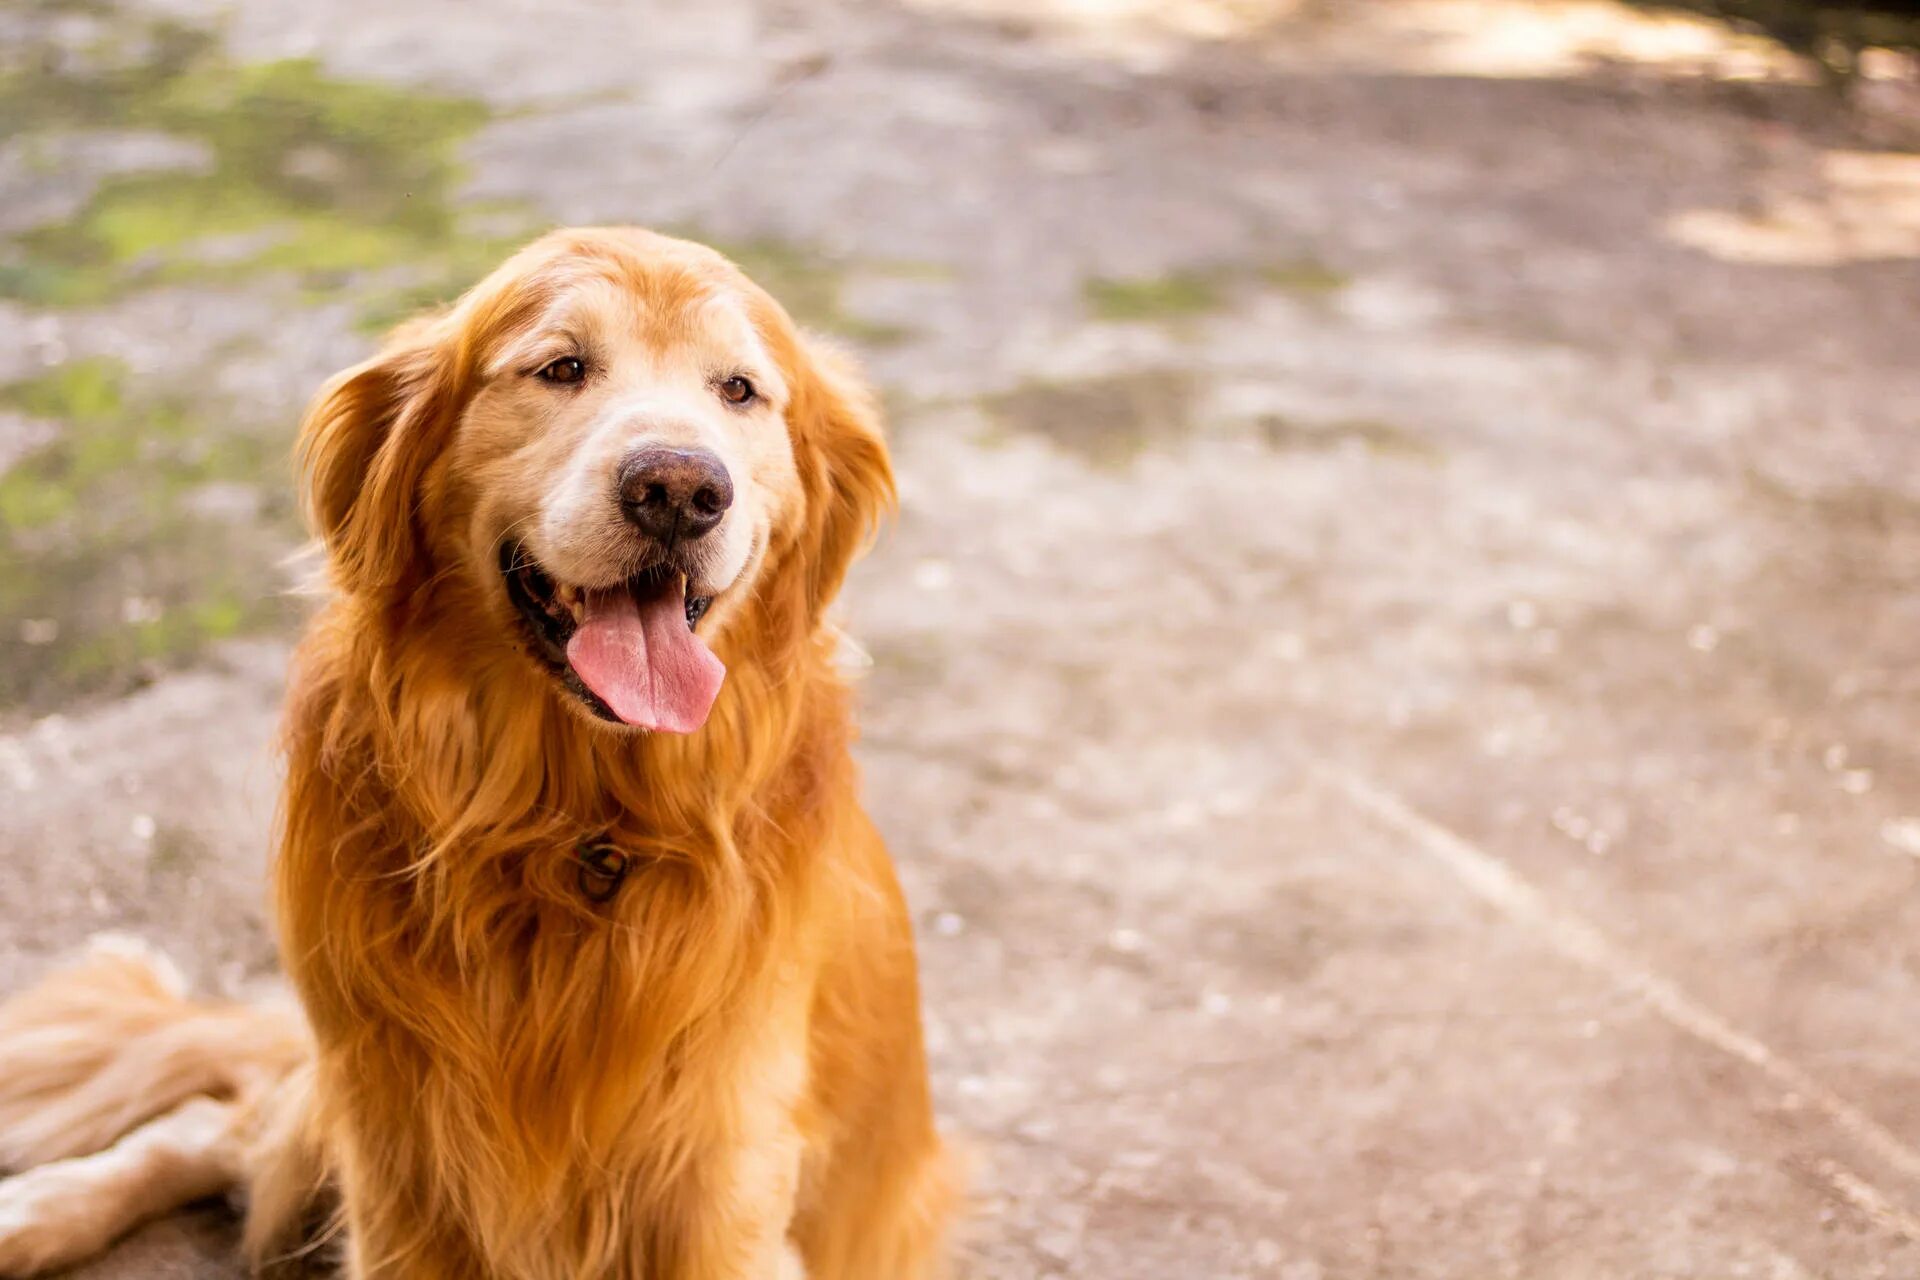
point(1394, 689)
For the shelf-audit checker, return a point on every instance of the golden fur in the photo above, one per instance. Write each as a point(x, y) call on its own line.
point(719, 1072)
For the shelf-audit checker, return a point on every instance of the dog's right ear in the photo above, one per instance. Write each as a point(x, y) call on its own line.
point(363, 450)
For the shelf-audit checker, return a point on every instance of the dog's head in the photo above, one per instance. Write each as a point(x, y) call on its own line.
point(614, 455)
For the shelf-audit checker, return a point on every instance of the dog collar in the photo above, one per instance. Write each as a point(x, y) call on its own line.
point(599, 870)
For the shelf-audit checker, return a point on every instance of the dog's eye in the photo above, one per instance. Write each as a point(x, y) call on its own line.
point(565, 369)
point(737, 390)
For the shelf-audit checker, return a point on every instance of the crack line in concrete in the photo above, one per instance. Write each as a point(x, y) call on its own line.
point(1494, 882)
point(1866, 1197)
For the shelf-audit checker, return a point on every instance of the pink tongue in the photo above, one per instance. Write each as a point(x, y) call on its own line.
point(643, 660)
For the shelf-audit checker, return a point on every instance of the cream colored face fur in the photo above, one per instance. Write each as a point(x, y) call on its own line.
point(542, 457)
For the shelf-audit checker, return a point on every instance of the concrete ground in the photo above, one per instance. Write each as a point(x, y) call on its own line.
point(1394, 688)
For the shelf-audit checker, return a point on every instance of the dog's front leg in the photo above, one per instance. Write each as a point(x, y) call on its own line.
point(748, 1209)
point(381, 1248)
point(394, 1227)
point(733, 1215)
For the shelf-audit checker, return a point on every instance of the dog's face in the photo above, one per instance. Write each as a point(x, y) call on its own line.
point(627, 459)
point(609, 445)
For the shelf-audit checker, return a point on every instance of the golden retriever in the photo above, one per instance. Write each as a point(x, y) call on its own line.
point(604, 971)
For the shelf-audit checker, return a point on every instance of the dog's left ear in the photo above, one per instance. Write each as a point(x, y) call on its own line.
point(844, 468)
point(363, 450)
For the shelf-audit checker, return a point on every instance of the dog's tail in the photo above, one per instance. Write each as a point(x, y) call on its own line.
point(121, 1098)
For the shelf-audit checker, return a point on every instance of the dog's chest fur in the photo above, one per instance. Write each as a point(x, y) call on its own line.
point(595, 1076)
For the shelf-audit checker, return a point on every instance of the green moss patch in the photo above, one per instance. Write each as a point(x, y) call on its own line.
point(1106, 421)
point(308, 173)
point(1371, 434)
point(1169, 297)
point(120, 558)
point(1189, 294)
point(1302, 277)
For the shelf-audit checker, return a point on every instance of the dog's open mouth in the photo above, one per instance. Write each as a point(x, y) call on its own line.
point(629, 652)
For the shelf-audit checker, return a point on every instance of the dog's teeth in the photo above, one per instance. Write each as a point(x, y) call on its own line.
point(567, 601)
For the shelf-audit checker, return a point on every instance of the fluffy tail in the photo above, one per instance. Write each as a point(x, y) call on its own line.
point(122, 1098)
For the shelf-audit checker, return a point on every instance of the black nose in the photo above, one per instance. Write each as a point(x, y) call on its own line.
point(674, 495)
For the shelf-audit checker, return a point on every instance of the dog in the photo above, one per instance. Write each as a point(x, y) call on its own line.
point(601, 969)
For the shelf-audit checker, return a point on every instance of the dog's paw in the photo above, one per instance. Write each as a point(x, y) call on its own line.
point(47, 1221)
